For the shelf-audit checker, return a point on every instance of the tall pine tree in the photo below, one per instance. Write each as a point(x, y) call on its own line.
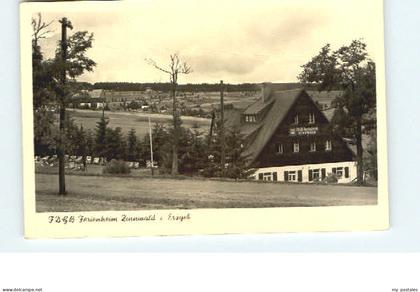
point(100, 136)
point(132, 146)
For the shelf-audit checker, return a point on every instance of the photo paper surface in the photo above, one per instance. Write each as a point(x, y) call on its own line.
point(199, 117)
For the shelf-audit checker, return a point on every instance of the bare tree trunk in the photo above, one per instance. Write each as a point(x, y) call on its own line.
point(359, 147)
point(175, 68)
point(174, 170)
point(174, 159)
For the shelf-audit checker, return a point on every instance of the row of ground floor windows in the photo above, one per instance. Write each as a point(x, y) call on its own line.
point(296, 147)
point(296, 175)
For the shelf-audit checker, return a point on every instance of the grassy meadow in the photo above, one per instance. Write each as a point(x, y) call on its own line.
point(100, 193)
point(138, 121)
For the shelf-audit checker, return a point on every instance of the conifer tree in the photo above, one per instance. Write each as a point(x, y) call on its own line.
point(132, 146)
point(101, 128)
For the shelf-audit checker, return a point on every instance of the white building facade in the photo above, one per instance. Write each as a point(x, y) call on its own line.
point(345, 172)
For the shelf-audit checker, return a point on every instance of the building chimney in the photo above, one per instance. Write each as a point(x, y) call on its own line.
point(266, 89)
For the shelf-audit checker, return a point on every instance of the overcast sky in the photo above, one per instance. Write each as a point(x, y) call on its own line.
point(237, 41)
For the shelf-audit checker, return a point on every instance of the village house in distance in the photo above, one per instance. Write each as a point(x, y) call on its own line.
point(290, 139)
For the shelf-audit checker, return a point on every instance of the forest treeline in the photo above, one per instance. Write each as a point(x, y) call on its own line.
point(166, 86)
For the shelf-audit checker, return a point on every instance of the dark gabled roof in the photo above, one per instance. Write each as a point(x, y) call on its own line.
point(281, 101)
point(233, 119)
point(241, 104)
point(276, 107)
point(257, 107)
point(324, 95)
point(329, 113)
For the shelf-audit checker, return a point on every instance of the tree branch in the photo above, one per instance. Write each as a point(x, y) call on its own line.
point(154, 64)
point(39, 29)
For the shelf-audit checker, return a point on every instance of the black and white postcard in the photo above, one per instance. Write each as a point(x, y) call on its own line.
point(203, 117)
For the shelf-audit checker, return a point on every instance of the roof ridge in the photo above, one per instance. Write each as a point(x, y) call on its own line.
point(289, 90)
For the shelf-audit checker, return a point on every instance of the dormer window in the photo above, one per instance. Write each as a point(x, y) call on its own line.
point(311, 118)
point(280, 149)
point(313, 147)
point(296, 120)
point(295, 147)
point(328, 145)
point(250, 119)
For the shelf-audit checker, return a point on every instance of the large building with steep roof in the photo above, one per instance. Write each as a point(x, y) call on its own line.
point(288, 138)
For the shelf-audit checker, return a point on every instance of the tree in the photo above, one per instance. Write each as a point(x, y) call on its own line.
point(43, 131)
point(79, 141)
point(114, 144)
point(235, 163)
point(162, 147)
point(81, 145)
point(43, 97)
point(132, 146)
point(90, 143)
point(372, 158)
point(50, 89)
point(40, 30)
point(349, 69)
point(70, 61)
point(236, 160)
point(192, 151)
point(72, 137)
point(341, 122)
point(101, 128)
point(176, 67)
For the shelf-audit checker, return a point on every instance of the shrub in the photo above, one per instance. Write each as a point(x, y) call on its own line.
point(213, 170)
point(116, 167)
point(331, 178)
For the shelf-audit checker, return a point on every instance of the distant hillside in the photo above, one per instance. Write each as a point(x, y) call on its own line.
point(203, 87)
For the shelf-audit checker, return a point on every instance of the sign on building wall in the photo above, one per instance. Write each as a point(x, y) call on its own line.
point(301, 131)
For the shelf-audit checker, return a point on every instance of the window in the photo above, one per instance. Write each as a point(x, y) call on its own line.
point(328, 145)
point(250, 119)
point(268, 176)
point(315, 174)
point(296, 147)
point(279, 148)
point(296, 120)
point(313, 147)
point(323, 173)
point(292, 175)
point(338, 171)
point(311, 118)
